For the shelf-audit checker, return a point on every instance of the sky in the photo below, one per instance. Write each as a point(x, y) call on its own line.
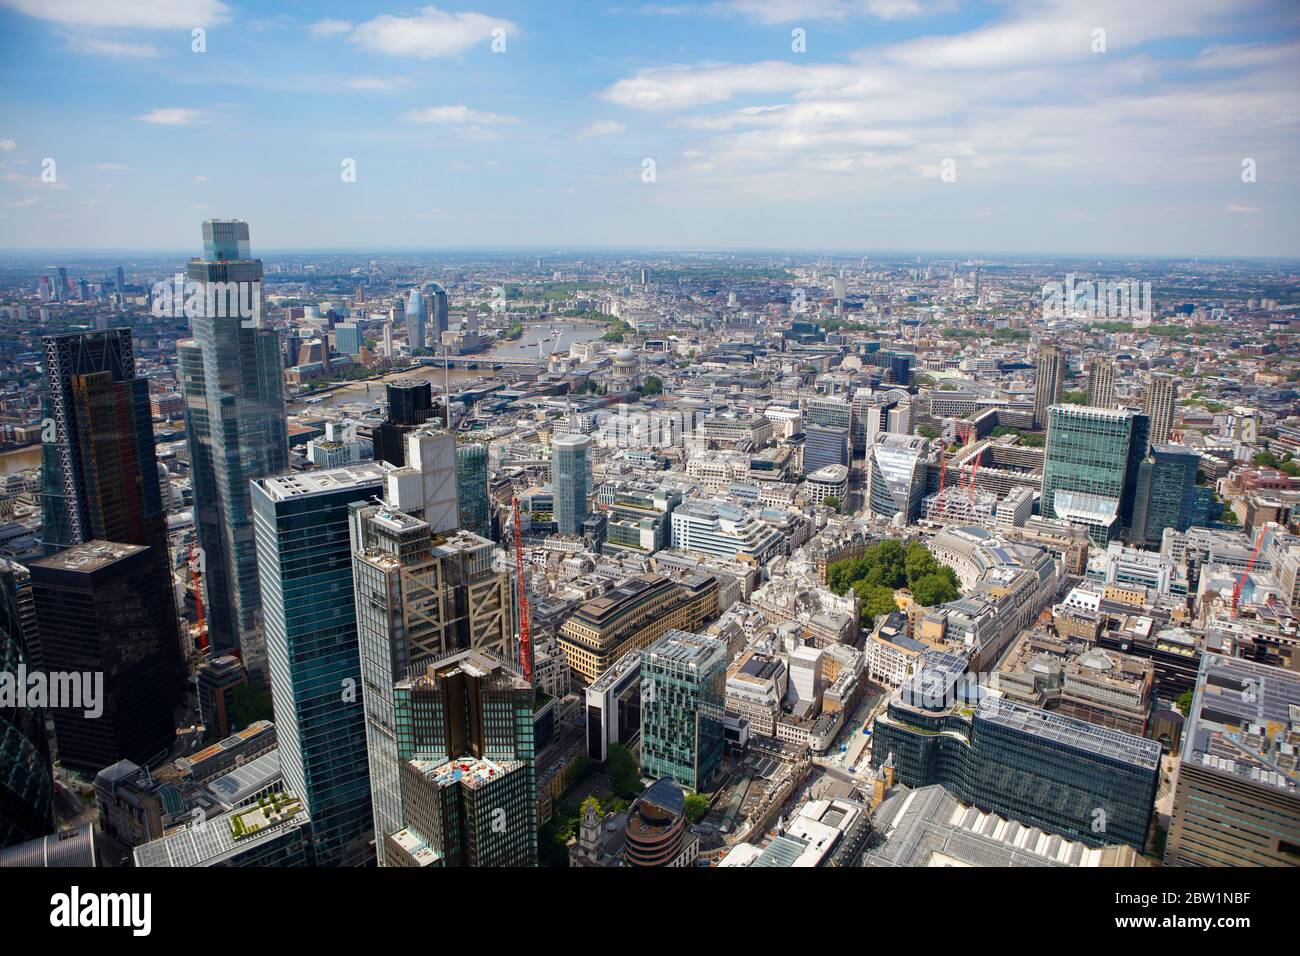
point(1107, 127)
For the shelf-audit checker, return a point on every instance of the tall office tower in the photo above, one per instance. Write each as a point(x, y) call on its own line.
point(304, 559)
point(236, 430)
point(896, 476)
point(1063, 775)
point(27, 780)
point(1167, 495)
point(467, 773)
point(472, 487)
point(415, 320)
point(1049, 381)
point(1090, 466)
point(436, 307)
point(569, 471)
point(120, 284)
point(61, 287)
point(388, 340)
point(683, 693)
point(1237, 800)
point(825, 445)
point(900, 369)
point(1158, 401)
point(1101, 383)
point(410, 403)
point(425, 486)
point(97, 607)
point(347, 338)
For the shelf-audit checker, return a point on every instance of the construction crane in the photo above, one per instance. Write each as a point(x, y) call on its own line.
point(1236, 592)
point(525, 642)
point(943, 475)
point(196, 588)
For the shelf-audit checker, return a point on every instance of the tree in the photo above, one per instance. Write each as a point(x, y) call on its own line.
point(1184, 703)
point(653, 386)
point(697, 807)
point(936, 588)
point(928, 431)
point(832, 502)
point(624, 774)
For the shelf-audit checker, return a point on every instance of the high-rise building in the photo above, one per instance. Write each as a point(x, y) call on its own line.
point(896, 475)
point(1237, 799)
point(426, 486)
point(27, 781)
point(825, 445)
point(1167, 495)
point(348, 339)
point(1101, 382)
point(415, 320)
point(304, 557)
point(467, 774)
point(410, 403)
point(1090, 466)
point(1050, 379)
point(97, 608)
point(570, 470)
point(472, 487)
point(1158, 401)
point(683, 695)
point(219, 680)
point(236, 430)
point(435, 301)
point(1064, 775)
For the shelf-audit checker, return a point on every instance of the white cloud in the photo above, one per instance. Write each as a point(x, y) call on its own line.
point(430, 33)
point(377, 84)
point(7, 145)
point(149, 14)
point(1238, 208)
point(110, 167)
point(171, 116)
point(201, 179)
point(602, 128)
point(329, 28)
point(460, 115)
point(102, 46)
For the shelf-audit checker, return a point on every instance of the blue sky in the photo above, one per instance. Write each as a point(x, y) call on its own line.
point(1051, 143)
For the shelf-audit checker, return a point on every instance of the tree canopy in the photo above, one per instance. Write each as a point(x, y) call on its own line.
point(887, 566)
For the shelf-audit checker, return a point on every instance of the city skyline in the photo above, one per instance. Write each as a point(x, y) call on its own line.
point(832, 139)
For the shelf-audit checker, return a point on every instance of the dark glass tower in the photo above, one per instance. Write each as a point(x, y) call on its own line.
point(236, 429)
point(410, 403)
point(97, 607)
point(26, 775)
point(1167, 495)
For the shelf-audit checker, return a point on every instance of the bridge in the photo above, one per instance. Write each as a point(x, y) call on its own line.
point(480, 361)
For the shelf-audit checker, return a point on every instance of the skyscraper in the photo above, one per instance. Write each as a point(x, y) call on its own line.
point(569, 470)
point(27, 783)
point(304, 557)
point(436, 307)
point(683, 692)
point(1158, 401)
point(467, 774)
point(97, 608)
point(1167, 495)
point(1090, 465)
point(415, 320)
point(472, 487)
point(1101, 382)
point(410, 403)
point(236, 430)
point(825, 445)
point(1049, 381)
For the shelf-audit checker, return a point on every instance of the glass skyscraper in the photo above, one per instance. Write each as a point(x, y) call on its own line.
point(304, 557)
point(1092, 455)
point(1167, 495)
point(472, 487)
point(27, 780)
point(683, 690)
point(569, 471)
point(236, 429)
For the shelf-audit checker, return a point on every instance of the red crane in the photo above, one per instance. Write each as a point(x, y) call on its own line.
point(1236, 592)
point(196, 587)
point(525, 641)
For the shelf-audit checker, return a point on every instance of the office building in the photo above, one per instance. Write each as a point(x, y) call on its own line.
point(1051, 369)
point(415, 320)
point(219, 680)
point(97, 609)
point(472, 488)
point(467, 774)
point(348, 339)
point(1067, 776)
point(825, 445)
point(435, 306)
point(1101, 382)
point(304, 556)
point(1090, 465)
point(1237, 798)
point(1167, 495)
point(1159, 399)
point(683, 695)
point(425, 487)
point(570, 469)
point(236, 430)
point(639, 517)
point(631, 617)
point(723, 530)
point(656, 834)
point(27, 783)
point(410, 404)
point(829, 482)
point(896, 476)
